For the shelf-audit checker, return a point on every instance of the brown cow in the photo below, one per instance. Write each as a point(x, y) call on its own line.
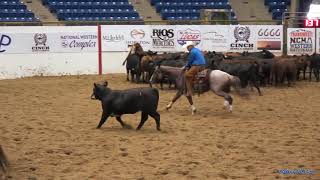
point(145, 68)
point(284, 67)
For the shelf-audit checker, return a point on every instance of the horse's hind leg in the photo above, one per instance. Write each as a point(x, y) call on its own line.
point(156, 117)
point(228, 99)
point(144, 117)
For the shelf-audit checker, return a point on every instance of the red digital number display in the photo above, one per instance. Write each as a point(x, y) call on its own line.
point(311, 23)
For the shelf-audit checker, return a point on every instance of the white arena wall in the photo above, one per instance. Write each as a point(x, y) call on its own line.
point(57, 64)
point(112, 62)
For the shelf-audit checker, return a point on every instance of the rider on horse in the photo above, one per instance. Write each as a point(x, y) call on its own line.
point(195, 64)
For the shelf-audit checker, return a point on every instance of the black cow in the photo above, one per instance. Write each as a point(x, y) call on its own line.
point(133, 67)
point(119, 102)
point(315, 66)
point(264, 54)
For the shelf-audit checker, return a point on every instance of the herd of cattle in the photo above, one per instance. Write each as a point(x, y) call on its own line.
point(256, 68)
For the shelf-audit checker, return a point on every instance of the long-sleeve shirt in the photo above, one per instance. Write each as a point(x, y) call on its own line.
point(195, 58)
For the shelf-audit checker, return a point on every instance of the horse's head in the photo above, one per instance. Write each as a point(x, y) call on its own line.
point(138, 49)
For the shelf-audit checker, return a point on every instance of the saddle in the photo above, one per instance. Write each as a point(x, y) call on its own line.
point(201, 82)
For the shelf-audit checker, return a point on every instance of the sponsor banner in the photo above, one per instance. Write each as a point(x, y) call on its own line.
point(269, 37)
point(48, 39)
point(79, 42)
point(215, 38)
point(5, 42)
point(118, 37)
point(300, 41)
point(25, 43)
point(318, 40)
point(242, 38)
point(163, 38)
point(188, 33)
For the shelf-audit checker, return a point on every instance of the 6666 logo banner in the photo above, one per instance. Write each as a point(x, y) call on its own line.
point(269, 38)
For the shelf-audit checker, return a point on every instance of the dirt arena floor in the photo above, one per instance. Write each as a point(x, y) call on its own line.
point(47, 127)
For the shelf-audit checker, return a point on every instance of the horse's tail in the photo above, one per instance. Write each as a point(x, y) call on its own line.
point(236, 84)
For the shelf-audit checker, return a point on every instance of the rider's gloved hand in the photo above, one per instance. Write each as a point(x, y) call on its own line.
point(184, 68)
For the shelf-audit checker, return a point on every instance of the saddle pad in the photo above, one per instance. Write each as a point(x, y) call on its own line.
point(202, 74)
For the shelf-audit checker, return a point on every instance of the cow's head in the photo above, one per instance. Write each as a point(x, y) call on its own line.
point(267, 54)
point(99, 90)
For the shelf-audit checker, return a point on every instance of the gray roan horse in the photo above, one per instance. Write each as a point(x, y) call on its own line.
point(218, 82)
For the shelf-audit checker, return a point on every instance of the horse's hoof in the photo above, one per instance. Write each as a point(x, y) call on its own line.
point(194, 112)
point(169, 106)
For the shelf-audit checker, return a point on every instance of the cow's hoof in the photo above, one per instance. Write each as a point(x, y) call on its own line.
point(127, 126)
point(158, 129)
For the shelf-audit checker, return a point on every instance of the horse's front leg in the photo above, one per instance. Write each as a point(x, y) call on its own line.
point(193, 108)
point(175, 98)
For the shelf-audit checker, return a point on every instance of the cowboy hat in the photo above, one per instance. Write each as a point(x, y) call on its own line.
point(188, 43)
